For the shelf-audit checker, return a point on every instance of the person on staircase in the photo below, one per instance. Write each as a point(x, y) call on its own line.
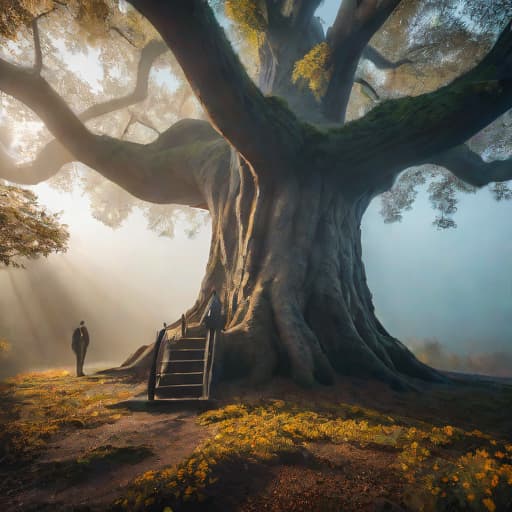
point(212, 318)
point(183, 326)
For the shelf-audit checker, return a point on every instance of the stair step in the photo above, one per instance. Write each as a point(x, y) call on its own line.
point(187, 373)
point(186, 354)
point(183, 385)
point(182, 366)
point(189, 343)
point(181, 378)
point(180, 391)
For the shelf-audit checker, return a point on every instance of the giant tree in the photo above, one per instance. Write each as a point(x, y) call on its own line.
point(285, 178)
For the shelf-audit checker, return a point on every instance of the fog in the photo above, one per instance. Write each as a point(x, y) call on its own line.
point(451, 286)
point(433, 353)
point(124, 283)
point(447, 294)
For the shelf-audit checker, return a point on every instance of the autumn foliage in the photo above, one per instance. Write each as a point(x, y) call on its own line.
point(26, 229)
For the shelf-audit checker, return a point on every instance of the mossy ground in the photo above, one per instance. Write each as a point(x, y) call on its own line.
point(354, 446)
point(36, 406)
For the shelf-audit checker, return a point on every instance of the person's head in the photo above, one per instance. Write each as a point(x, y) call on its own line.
point(82, 322)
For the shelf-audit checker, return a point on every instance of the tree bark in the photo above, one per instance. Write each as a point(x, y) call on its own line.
point(286, 262)
point(286, 199)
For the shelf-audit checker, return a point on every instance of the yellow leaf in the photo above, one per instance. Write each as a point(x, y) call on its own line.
point(489, 504)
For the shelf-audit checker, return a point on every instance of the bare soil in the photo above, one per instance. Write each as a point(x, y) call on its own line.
point(326, 477)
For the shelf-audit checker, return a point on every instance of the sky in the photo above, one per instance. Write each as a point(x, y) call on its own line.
point(453, 286)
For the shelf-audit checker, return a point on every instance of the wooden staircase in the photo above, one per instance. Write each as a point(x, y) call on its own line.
point(182, 367)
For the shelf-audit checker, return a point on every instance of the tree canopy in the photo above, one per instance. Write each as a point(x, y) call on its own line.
point(421, 46)
point(26, 229)
point(284, 132)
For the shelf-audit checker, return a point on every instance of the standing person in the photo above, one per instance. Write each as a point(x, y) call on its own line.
point(183, 326)
point(79, 344)
point(212, 318)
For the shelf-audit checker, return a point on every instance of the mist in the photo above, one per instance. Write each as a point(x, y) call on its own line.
point(123, 283)
point(433, 353)
point(451, 286)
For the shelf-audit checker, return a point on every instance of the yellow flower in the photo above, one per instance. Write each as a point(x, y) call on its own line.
point(495, 481)
point(167, 509)
point(448, 430)
point(455, 478)
point(465, 485)
point(499, 455)
point(471, 497)
point(489, 504)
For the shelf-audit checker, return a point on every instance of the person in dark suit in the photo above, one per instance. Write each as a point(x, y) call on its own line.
point(212, 318)
point(183, 326)
point(79, 344)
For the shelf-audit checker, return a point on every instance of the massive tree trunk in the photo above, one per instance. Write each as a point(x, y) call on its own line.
point(286, 261)
point(286, 198)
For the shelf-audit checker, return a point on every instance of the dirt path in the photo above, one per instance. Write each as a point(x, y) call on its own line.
point(169, 433)
point(269, 447)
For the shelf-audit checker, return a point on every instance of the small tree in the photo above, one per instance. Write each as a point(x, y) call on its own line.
point(26, 229)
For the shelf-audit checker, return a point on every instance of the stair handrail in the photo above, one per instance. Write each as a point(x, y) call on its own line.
point(205, 366)
point(210, 366)
point(152, 372)
point(212, 320)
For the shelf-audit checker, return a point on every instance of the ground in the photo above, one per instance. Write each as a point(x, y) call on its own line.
point(95, 444)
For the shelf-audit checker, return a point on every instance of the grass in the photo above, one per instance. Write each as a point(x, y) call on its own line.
point(100, 460)
point(450, 446)
point(38, 406)
point(446, 468)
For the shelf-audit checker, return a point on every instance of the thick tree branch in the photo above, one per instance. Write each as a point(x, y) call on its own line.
point(148, 55)
point(355, 24)
point(469, 166)
point(38, 54)
point(367, 88)
point(302, 12)
point(264, 132)
point(156, 172)
point(410, 131)
point(291, 32)
point(47, 163)
point(298, 12)
point(53, 156)
point(380, 62)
